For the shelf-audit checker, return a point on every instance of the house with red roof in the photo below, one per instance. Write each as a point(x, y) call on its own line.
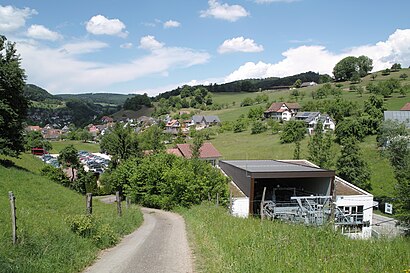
point(282, 110)
point(207, 152)
point(172, 126)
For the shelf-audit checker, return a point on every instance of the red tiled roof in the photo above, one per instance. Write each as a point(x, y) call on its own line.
point(207, 151)
point(293, 105)
point(275, 107)
point(33, 128)
point(406, 107)
point(174, 151)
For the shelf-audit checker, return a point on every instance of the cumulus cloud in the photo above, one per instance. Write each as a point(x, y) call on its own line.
point(126, 45)
point(100, 25)
point(304, 58)
point(42, 33)
point(82, 47)
point(224, 11)
point(60, 72)
point(171, 24)
point(150, 43)
point(11, 18)
point(239, 44)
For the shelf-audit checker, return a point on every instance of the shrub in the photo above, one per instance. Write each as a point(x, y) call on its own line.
point(87, 226)
point(55, 174)
point(258, 127)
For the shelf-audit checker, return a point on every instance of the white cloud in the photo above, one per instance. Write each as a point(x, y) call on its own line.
point(304, 58)
point(42, 33)
point(126, 45)
point(11, 18)
point(171, 24)
point(224, 11)
point(82, 47)
point(99, 25)
point(150, 43)
point(239, 44)
point(60, 72)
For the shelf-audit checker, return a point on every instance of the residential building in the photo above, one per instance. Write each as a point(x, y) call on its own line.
point(282, 110)
point(307, 84)
point(207, 152)
point(172, 127)
point(204, 121)
point(406, 107)
point(311, 119)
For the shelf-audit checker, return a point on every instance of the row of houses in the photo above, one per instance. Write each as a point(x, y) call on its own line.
point(199, 122)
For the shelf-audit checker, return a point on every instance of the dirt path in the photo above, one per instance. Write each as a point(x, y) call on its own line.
point(159, 245)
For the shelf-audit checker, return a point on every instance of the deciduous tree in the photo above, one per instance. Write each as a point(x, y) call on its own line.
point(13, 104)
point(68, 158)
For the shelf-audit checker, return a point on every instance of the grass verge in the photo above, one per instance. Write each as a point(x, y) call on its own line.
point(223, 243)
point(46, 243)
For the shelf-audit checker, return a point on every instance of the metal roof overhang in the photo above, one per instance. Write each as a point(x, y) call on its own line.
point(293, 174)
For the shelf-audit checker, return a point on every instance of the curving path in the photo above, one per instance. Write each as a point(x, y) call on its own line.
point(159, 245)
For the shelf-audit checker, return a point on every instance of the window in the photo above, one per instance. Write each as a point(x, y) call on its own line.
point(350, 218)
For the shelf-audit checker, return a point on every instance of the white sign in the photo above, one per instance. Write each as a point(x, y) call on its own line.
point(388, 208)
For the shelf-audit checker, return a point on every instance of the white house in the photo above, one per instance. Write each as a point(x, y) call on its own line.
point(282, 110)
point(172, 127)
point(311, 119)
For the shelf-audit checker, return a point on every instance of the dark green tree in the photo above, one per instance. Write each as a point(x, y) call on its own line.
point(152, 139)
point(320, 148)
point(293, 131)
point(84, 135)
point(351, 166)
point(68, 158)
point(348, 128)
point(258, 127)
point(34, 139)
point(13, 104)
point(345, 69)
point(196, 145)
point(396, 67)
point(121, 143)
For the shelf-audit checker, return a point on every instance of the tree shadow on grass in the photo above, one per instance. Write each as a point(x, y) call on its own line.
point(7, 163)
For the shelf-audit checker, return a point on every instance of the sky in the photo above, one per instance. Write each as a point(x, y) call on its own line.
point(154, 46)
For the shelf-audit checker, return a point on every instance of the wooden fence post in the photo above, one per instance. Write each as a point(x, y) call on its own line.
point(13, 216)
point(263, 201)
point(118, 199)
point(127, 202)
point(230, 202)
point(89, 203)
point(217, 199)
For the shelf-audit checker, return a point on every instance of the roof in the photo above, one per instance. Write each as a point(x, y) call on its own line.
point(307, 116)
point(400, 116)
point(33, 128)
point(343, 187)
point(277, 167)
point(276, 106)
point(406, 107)
point(174, 151)
point(172, 123)
point(293, 105)
point(207, 119)
point(207, 151)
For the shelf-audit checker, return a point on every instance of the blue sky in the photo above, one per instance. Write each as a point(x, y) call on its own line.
point(154, 46)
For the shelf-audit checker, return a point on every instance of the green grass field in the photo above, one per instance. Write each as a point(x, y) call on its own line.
point(79, 145)
point(229, 244)
point(46, 243)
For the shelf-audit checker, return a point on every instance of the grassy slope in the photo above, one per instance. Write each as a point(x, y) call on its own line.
point(46, 242)
point(230, 244)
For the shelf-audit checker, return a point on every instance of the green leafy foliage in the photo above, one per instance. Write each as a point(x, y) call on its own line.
point(351, 67)
point(87, 226)
point(152, 139)
point(34, 139)
point(351, 165)
point(13, 104)
point(135, 103)
point(121, 143)
point(320, 148)
point(68, 157)
point(258, 127)
point(348, 128)
point(293, 131)
point(166, 181)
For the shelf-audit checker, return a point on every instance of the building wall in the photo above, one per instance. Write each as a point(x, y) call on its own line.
point(240, 207)
point(240, 177)
point(359, 200)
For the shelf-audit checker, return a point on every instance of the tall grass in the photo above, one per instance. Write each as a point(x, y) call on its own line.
point(46, 243)
point(223, 243)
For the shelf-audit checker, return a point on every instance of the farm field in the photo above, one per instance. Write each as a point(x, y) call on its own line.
point(79, 145)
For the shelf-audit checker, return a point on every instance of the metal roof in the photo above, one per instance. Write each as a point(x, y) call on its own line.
point(400, 116)
point(270, 166)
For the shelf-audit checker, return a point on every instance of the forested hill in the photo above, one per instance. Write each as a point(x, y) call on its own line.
point(251, 85)
point(35, 93)
point(108, 98)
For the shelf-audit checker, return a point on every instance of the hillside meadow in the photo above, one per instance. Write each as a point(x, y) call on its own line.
point(230, 244)
point(45, 240)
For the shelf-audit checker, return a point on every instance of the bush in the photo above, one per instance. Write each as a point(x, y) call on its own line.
point(87, 226)
point(56, 175)
point(258, 127)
